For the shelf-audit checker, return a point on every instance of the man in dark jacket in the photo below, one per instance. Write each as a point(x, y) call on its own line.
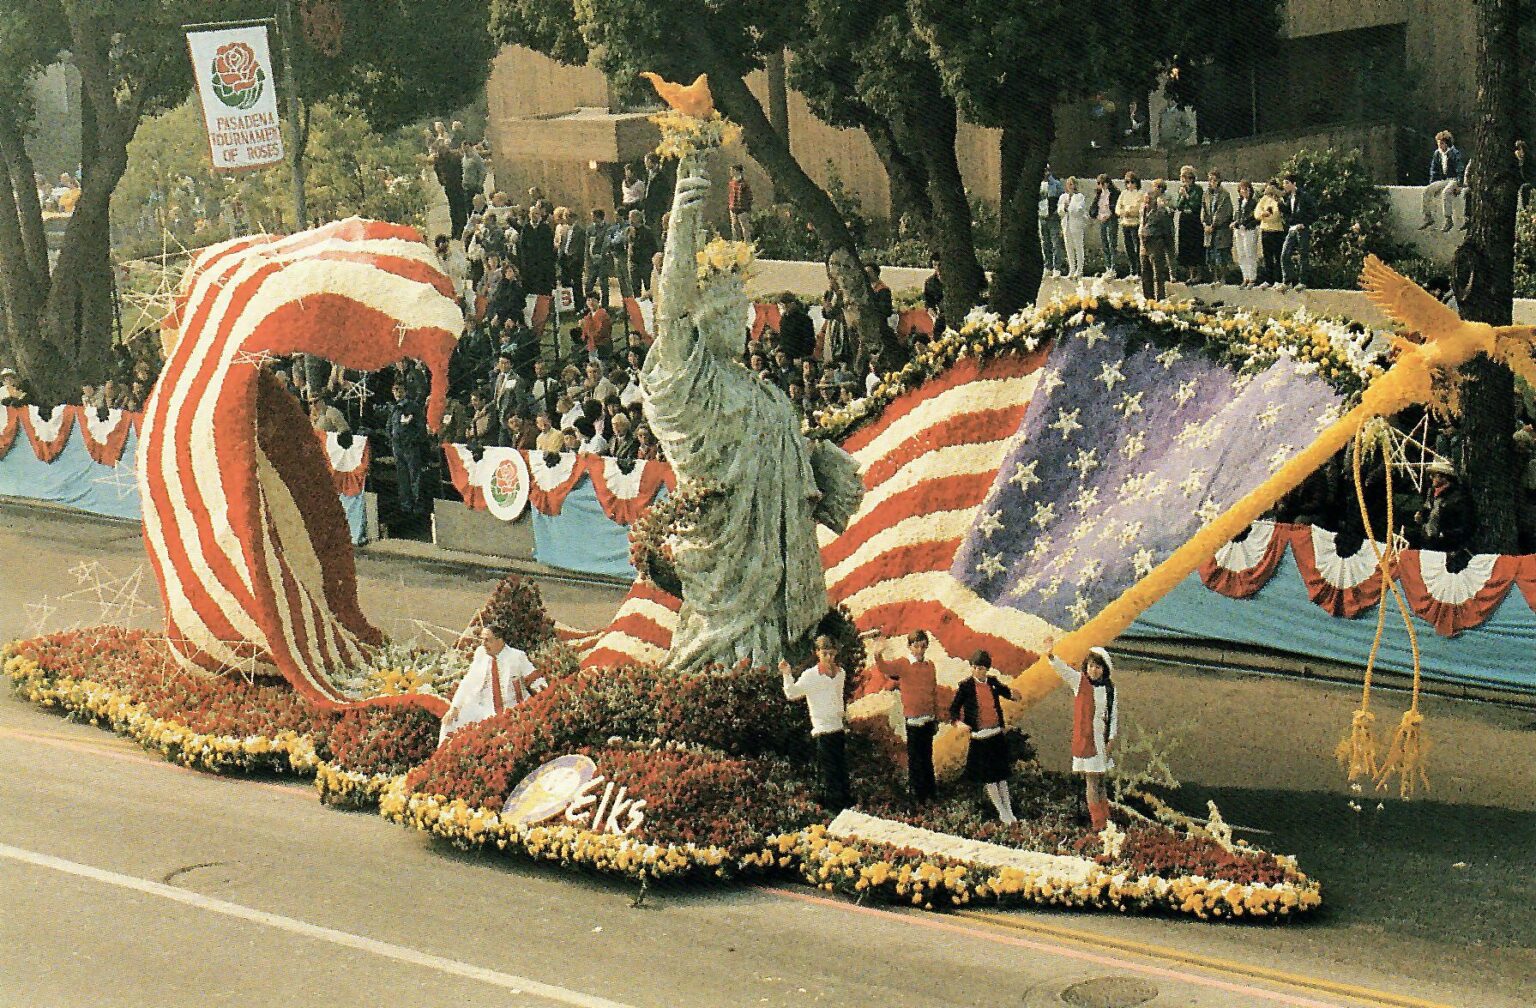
point(406, 430)
point(1298, 211)
point(796, 333)
point(536, 254)
point(508, 300)
point(1448, 514)
point(639, 248)
point(599, 266)
point(1155, 234)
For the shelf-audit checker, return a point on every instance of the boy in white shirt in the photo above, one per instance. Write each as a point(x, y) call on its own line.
point(821, 687)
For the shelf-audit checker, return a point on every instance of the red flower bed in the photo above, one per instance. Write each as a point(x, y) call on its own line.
point(136, 665)
point(707, 799)
point(1155, 850)
point(383, 740)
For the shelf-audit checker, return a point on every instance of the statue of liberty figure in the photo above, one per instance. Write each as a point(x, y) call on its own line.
point(748, 561)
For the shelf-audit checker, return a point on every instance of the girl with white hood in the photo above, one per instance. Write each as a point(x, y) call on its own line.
point(1095, 723)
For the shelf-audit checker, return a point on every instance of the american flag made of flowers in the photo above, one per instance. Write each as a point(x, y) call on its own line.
point(1129, 447)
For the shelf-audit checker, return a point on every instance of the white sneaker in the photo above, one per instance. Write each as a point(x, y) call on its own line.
point(1265, 285)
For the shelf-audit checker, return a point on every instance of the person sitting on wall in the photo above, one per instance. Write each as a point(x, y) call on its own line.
point(499, 677)
point(1447, 172)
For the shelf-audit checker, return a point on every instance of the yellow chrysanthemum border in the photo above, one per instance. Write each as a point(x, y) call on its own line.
point(867, 870)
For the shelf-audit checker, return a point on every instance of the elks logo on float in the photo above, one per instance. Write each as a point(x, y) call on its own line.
point(238, 78)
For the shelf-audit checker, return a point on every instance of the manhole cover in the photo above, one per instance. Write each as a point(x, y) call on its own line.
point(1109, 992)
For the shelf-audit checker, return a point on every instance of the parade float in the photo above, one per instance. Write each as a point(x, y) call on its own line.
point(1044, 477)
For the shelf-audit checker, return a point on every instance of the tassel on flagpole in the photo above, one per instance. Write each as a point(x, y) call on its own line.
point(1357, 751)
point(1408, 756)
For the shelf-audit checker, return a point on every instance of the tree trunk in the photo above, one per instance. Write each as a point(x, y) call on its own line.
point(953, 243)
point(1026, 147)
point(906, 176)
point(778, 93)
point(1485, 278)
point(738, 104)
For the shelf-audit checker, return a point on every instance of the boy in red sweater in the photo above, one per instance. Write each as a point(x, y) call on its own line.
point(917, 680)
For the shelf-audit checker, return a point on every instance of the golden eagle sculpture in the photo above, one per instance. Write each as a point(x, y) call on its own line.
point(689, 99)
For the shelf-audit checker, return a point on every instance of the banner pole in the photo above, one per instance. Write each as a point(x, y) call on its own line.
point(300, 210)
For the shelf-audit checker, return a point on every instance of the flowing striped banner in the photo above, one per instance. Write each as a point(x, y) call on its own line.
point(242, 524)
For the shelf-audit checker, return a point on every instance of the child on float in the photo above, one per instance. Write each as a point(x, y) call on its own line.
point(978, 704)
point(917, 681)
point(821, 687)
point(1095, 724)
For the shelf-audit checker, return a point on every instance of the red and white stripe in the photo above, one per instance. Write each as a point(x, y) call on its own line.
point(1344, 586)
point(1457, 601)
point(10, 423)
point(49, 436)
point(551, 483)
point(105, 437)
point(625, 496)
point(248, 556)
point(928, 465)
point(349, 466)
point(1240, 568)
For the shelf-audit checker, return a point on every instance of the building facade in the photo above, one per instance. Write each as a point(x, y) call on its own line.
point(1381, 76)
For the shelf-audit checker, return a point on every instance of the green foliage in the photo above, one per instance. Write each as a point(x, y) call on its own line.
point(1353, 215)
point(781, 231)
point(1525, 253)
point(170, 183)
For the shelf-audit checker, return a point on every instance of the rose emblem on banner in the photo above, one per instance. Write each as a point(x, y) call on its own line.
point(549, 790)
point(238, 78)
point(506, 486)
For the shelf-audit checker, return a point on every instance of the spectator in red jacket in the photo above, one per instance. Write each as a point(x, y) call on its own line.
point(596, 328)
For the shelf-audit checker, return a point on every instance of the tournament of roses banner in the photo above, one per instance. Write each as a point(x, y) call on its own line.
point(233, 71)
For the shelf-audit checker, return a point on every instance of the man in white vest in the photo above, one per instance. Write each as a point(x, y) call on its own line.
point(499, 677)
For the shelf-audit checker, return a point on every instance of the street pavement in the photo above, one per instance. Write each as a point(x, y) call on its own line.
point(125, 881)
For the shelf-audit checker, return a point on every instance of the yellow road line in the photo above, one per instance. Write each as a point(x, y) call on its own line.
point(1210, 963)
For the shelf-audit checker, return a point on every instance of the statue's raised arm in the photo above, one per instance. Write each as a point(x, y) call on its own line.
point(747, 559)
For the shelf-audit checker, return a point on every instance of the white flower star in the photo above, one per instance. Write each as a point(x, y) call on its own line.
point(1110, 374)
point(1144, 561)
point(1079, 609)
point(1269, 415)
point(990, 565)
point(1168, 358)
point(1023, 586)
point(1051, 587)
point(1082, 529)
point(1024, 475)
point(1086, 462)
point(1156, 490)
point(1129, 405)
point(1044, 514)
point(1209, 511)
point(1193, 483)
point(1090, 571)
point(1281, 456)
point(1050, 380)
point(991, 522)
point(1086, 498)
point(1135, 487)
point(1134, 445)
point(1095, 335)
point(1041, 547)
point(1066, 422)
point(1327, 418)
point(1130, 532)
point(1186, 391)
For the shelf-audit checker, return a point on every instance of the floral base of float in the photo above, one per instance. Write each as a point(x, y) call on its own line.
point(710, 814)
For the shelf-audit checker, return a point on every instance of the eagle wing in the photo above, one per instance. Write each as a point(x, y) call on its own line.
point(1405, 301)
